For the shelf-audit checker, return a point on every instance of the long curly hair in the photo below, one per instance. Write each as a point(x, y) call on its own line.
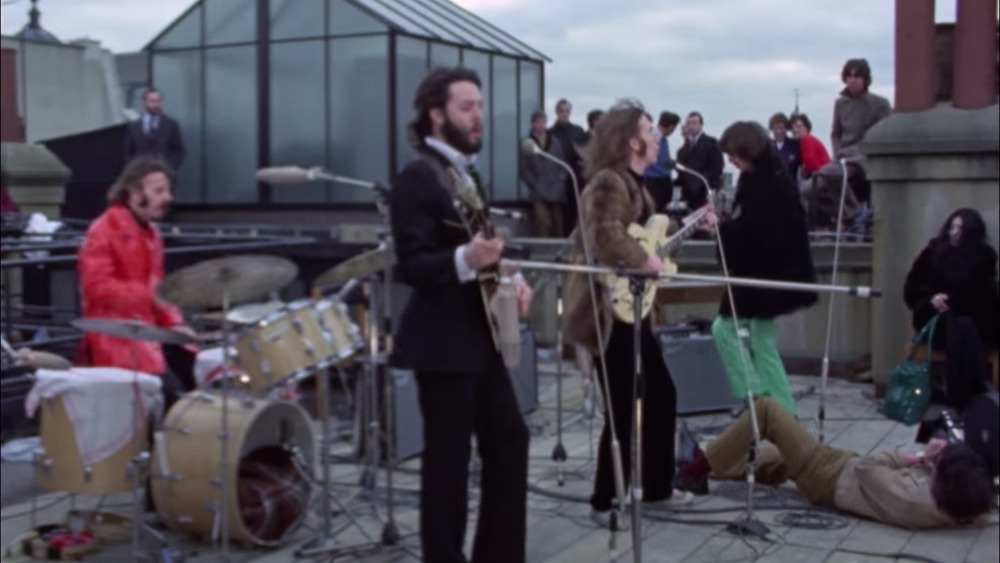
point(957, 261)
point(609, 145)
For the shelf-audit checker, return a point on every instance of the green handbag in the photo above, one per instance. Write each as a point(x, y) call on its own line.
point(908, 393)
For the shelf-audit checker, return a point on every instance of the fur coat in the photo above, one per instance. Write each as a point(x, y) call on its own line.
point(611, 201)
point(767, 239)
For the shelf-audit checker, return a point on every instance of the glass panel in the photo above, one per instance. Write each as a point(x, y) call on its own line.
point(505, 141)
point(177, 75)
point(531, 95)
point(346, 18)
point(230, 21)
point(185, 33)
point(293, 19)
point(456, 22)
point(480, 62)
point(426, 22)
point(298, 115)
point(358, 138)
point(231, 124)
point(411, 67)
point(443, 55)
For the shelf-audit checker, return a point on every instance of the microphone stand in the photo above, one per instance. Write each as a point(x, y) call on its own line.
point(748, 525)
point(530, 147)
point(559, 451)
point(825, 373)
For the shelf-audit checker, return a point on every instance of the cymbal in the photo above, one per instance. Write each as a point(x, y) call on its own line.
point(42, 360)
point(244, 278)
point(357, 267)
point(133, 330)
point(253, 312)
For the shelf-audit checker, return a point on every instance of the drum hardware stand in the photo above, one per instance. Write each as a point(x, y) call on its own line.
point(222, 507)
point(324, 542)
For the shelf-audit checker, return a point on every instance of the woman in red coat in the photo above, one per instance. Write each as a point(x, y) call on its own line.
point(813, 153)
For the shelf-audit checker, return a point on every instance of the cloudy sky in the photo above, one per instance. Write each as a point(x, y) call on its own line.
point(729, 59)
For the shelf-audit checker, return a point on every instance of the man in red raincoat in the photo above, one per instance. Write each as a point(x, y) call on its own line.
point(120, 264)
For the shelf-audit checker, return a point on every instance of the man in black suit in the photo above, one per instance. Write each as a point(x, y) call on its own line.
point(700, 153)
point(444, 334)
point(786, 146)
point(155, 133)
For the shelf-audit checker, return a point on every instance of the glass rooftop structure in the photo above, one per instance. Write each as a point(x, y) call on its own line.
point(329, 83)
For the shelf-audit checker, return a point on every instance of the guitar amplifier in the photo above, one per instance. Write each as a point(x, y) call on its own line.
point(408, 424)
point(697, 370)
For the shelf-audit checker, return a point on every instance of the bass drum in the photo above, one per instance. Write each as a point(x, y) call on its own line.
point(271, 448)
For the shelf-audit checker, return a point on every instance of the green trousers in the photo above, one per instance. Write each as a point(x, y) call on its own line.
point(761, 368)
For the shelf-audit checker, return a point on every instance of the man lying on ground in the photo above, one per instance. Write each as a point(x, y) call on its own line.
point(945, 485)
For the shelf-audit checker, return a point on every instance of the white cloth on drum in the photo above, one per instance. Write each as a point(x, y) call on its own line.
point(209, 365)
point(98, 402)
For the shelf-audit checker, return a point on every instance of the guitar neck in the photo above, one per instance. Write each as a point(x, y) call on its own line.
point(690, 225)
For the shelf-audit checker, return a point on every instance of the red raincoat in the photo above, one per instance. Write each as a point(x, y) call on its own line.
point(120, 264)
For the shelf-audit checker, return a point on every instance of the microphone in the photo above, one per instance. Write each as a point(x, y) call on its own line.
point(529, 147)
point(287, 175)
point(298, 175)
point(504, 305)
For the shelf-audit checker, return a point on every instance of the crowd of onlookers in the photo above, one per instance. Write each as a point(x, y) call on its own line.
point(818, 173)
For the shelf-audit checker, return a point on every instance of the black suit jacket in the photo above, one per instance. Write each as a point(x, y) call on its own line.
point(165, 141)
point(444, 327)
point(705, 158)
point(790, 154)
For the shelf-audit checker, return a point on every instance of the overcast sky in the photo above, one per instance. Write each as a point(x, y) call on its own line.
point(729, 59)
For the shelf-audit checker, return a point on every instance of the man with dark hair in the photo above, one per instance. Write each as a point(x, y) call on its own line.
point(856, 109)
point(444, 333)
point(155, 133)
point(120, 263)
point(571, 136)
point(659, 175)
point(700, 153)
point(945, 485)
point(546, 180)
point(786, 146)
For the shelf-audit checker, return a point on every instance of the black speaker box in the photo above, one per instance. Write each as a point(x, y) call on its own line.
point(696, 368)
point(407, 422)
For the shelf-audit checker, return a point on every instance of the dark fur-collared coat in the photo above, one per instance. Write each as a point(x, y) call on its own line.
point(611, 201)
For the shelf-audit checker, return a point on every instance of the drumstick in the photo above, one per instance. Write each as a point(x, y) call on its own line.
point(8, 348)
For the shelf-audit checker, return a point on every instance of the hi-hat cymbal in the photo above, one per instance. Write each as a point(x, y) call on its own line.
point(359, 266)
point(243, 278)
point(133, 330)
point(42, 360)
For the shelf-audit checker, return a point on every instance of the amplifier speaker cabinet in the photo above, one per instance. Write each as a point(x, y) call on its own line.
point(408, 424)
point(697, 370)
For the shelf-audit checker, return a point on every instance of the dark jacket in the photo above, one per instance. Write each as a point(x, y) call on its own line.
point(444, 327)
point(767, 239)
point(790, 154)
point(164, 141)
point(705, 158)
point(971, 290)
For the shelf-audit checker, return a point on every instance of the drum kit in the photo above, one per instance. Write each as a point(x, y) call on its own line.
point(232, 462)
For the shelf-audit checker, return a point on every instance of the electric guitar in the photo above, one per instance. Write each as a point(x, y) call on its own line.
point(654, 240)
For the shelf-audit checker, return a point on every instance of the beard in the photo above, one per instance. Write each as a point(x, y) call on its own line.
point(460, 138)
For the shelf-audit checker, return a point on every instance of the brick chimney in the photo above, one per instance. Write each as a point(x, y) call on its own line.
point(975, 54)
point(11, 130)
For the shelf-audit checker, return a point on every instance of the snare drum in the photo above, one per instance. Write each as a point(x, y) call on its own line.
point(286, 344)
point(88, 428)
point(343, 335)
point(267, 491)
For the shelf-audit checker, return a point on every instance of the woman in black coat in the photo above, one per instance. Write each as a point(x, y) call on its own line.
point(955, 276)
point(765, 239)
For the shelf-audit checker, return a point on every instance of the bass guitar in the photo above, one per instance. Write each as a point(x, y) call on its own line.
point(654, 240)
point(496, 285)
